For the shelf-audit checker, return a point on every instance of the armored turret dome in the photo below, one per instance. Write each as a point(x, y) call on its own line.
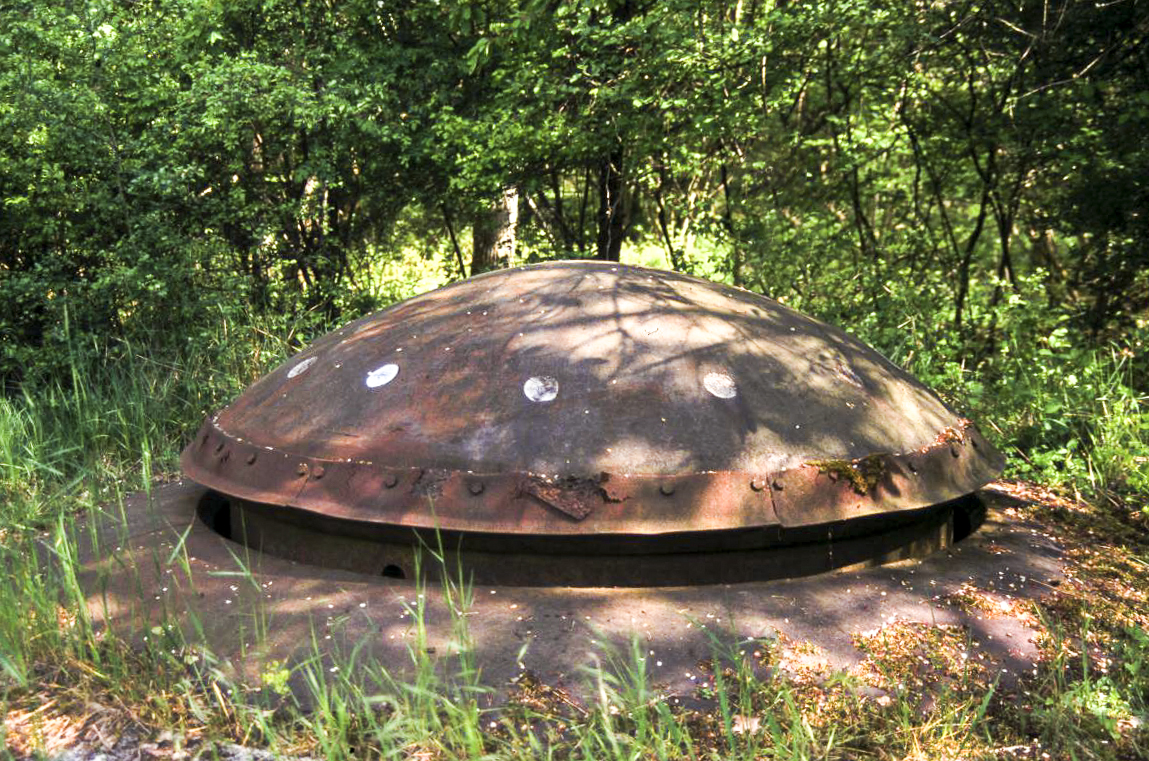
point(592, 412)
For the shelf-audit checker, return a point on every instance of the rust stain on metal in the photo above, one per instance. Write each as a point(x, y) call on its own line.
point(429, 483)
point(954, 434)
point(571, 497)
point(864, 473)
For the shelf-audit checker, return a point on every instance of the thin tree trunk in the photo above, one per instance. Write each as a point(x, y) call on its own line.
point(672, 252)
point(611, 215)
point(495, 232)
point(583, 205)
point(728, 222)
point(967, 259)
point(454, 240)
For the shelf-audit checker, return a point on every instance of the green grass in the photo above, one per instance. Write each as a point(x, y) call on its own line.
point(747, 706)
point(116, 422)
point(72, 447)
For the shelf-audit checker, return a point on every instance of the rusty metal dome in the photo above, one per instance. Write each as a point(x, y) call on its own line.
point(597, 413)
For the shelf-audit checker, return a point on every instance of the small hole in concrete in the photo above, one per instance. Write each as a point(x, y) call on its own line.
point(393, 572)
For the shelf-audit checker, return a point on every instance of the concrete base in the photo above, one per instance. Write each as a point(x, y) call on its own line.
point(156, 562)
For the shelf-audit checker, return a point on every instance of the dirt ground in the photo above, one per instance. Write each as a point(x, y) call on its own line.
point(980, 585)
point(972, 601)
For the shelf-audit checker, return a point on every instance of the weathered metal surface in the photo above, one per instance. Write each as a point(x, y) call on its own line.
point(696, 558)
point(588, 398)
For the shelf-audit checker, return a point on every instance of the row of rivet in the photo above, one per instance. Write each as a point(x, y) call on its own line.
point(954, 450)
point(476, 488)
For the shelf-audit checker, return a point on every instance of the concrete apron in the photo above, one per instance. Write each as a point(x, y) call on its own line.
point(158, 562)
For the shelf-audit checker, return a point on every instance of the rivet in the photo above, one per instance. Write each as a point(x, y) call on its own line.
point(301, 469)
point(758, 484)
point(391, 481)
point(475, 487)
point(251, 459)
point(318, 472)
point(666, 489)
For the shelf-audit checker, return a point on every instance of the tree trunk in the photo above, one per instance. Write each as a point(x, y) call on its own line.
point(611, 214)
point(494, 233)
point(728, 223)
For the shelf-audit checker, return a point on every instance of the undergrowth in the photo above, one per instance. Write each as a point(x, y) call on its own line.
point(914, 697)
point(72, 446)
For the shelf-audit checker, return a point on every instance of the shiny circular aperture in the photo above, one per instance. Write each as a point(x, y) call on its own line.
point(721, 385)
point(301, 367)
point(382, 375)
point(541, 388)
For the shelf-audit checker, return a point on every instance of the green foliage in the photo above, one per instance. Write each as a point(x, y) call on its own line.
point(1077, 708)
point(191, 190)
point(947, 181)
point(86, 438)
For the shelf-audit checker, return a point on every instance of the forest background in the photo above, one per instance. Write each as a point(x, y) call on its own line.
point(192, 189)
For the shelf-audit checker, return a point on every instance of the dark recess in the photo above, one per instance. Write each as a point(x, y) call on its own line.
point(393, 572)
point(215, 511)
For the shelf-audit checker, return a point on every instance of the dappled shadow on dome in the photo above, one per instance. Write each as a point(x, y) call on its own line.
point(630, 351)
point(589, 399)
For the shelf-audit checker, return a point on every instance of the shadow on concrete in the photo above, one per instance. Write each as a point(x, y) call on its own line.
point(158, 561)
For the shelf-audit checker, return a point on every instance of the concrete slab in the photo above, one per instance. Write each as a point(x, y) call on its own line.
point(154, 562)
